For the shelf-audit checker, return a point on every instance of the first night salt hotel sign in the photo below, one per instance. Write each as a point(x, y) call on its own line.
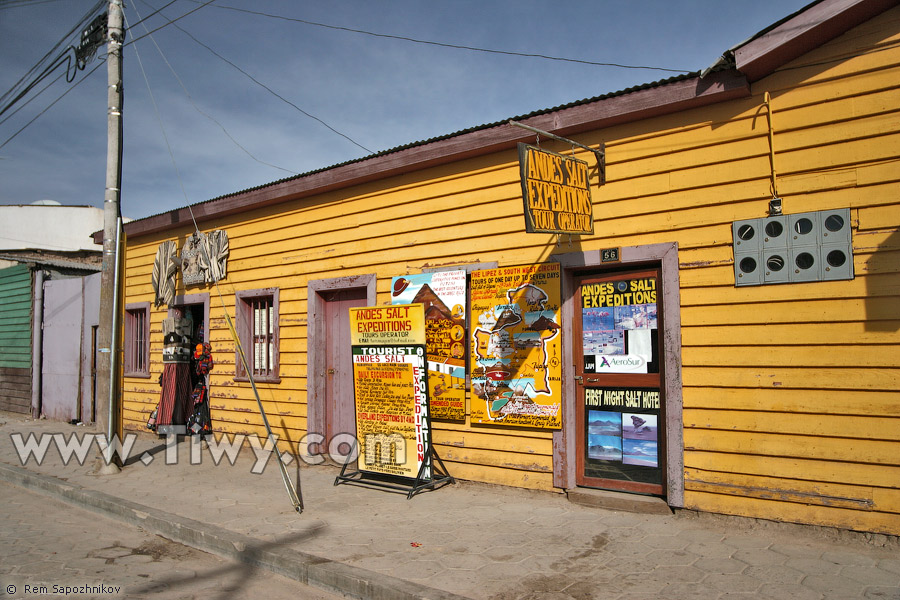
point(556, 192)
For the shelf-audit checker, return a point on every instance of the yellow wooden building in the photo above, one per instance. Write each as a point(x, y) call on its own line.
point(778, 389)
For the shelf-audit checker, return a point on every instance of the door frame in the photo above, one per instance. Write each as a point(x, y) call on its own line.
point(316, 378)
point(572, 264)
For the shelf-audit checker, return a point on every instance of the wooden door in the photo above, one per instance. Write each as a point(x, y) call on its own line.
point(61, 360)
point(619, 409)
point(340, 413)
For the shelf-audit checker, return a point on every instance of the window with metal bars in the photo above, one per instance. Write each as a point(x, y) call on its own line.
point(257, 324)
point(137, 340)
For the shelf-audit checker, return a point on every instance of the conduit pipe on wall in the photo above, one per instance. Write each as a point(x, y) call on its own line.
point(774, 184)
point(114, 400)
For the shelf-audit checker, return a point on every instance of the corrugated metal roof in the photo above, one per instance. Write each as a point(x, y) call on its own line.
point(725, 62)
point(645, 86)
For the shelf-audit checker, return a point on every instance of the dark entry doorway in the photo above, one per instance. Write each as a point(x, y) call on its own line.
point(620, 416)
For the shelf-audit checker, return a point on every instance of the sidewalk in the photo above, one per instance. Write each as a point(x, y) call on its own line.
point(466, 540)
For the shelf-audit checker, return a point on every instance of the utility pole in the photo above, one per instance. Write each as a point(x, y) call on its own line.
point(108, 339)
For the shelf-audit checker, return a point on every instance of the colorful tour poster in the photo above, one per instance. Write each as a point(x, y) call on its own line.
point(619, 326)
point(443, 295)
point(516, 347)
point(390, 386)
point(622, 434)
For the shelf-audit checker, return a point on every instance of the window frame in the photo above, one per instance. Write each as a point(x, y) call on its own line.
point(244, 301)
point(137, 314)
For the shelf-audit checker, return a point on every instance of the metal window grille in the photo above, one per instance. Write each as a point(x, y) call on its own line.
point(263, 312)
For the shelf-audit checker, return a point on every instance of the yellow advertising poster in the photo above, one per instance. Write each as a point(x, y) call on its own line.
point(516, 346)
point(443, 295)
point(391, 325)
point(391, 389)
point(388, 418)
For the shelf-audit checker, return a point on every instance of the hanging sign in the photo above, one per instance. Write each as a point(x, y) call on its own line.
point(516, 348)
point(556, 192)
point(390, 386)
point(443, 295)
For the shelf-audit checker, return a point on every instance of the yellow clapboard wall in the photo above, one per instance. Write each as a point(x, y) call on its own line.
point(790, 392)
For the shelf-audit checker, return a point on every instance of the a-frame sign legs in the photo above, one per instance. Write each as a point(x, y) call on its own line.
point(432, 462)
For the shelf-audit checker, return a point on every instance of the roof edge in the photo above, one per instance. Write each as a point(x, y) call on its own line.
point(655, 100)
point(805, 30)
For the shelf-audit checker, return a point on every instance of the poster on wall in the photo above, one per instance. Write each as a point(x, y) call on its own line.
point(619, 326)
point(443, 296)
point(622, 434)
point(390, 387)
point(516, 349)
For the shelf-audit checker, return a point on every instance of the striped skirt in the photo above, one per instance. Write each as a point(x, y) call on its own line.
point(175, 396)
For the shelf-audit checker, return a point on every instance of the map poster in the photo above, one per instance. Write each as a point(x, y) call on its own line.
point(516, 346)
point(443, 295)
point(391, 389)
point(622, 433)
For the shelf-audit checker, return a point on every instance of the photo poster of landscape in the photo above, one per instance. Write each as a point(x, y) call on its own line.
point(390, 389)
point(622, 434)
point(443, 295)
point(619, 326)
point(516, 348)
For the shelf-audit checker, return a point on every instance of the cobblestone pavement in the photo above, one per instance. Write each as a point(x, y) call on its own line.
point(52, 550)
point(468, 540)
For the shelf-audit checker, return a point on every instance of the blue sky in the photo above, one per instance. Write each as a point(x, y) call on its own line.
point(379, 92)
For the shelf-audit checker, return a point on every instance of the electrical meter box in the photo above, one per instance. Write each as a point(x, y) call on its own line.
point(816, 246)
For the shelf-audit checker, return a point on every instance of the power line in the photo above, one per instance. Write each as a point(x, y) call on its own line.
point(446, 45)
point(170, 21)
point(79, 25)
point(4, 4)
point(30, 100)
point(190, 98)
point(51, 105)
point(262, 85)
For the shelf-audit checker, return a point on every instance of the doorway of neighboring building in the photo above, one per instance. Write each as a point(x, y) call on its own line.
point(620, 408)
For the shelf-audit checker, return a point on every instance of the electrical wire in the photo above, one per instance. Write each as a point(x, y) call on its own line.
point(4, 4)
point(446, 45)
point(170, 22)
point(267, 88)
point(194, 104)
point(63, 95)
point(80, 24)
point(30, 100)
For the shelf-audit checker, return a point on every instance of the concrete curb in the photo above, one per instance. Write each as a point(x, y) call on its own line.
point(312, 570)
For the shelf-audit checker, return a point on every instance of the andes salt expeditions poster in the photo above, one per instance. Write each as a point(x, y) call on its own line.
point(390, 388)
point(516, 346)
point(443, 294)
